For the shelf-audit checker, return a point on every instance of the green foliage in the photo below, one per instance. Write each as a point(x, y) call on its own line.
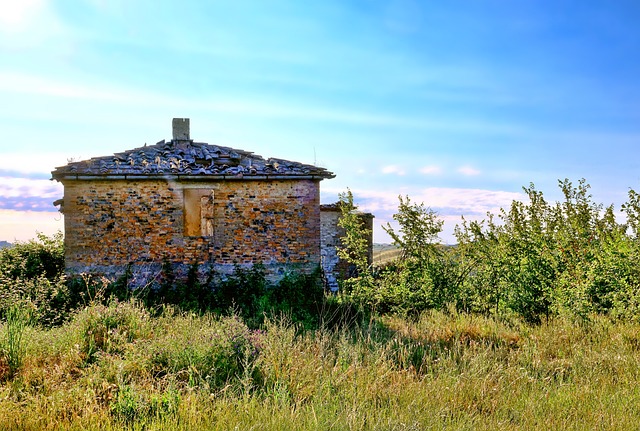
point(51, 300)
point(427, 276)
point(534, 259)
point(33, 272)
point(204, 352)
point(12, 347)
point(43, 256)
point(540, 259)
point(111, 328)
point(298, 296)
point(243, 291)
point(355, 250)
point(418, 233)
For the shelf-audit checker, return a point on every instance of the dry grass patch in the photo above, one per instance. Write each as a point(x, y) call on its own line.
point(182, 371)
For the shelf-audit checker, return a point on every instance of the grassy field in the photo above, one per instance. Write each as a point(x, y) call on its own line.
point(385, 253)
point(119, 367)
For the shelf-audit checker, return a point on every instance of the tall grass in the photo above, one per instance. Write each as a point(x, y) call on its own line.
point(13, 347)
point(442, 370)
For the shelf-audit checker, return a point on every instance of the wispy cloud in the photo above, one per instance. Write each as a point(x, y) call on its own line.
point(16, 82)
point(449, 203)
point(28, 193)
point(27, 203)
point(468, 171)
point(393, 169)
point(431, 170)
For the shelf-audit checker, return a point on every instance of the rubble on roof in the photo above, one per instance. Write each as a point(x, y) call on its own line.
point(179, 157)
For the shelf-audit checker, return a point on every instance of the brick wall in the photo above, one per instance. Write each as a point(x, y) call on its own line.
point(110, 224)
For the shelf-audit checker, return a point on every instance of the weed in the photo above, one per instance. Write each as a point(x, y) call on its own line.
point(18, 319)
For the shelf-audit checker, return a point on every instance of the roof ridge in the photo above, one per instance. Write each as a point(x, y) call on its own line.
point(186, 157)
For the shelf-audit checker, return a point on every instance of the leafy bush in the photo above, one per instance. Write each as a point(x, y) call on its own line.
point(35, 258)
point(243, 292)
point(426, 276)
point(539, 259)
point(354, 250)
point(299, 296)
point(33, 272)
point(535, 259)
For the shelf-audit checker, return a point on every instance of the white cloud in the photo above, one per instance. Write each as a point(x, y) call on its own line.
point(25, 187)
point(30, 84)
point(30, 24)
point(393, 169)
point(449, 203)
point(14, 164)
point(468, 170)
point(431, 170)
point(18, 16)
point(454, 201)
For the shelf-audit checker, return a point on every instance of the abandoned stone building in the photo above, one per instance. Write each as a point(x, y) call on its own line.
point(183, 202)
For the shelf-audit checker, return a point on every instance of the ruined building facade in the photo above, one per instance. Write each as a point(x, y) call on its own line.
point(182, 203)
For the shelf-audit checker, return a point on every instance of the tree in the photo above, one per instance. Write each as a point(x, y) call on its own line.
point(429, 273)
point(355, 251)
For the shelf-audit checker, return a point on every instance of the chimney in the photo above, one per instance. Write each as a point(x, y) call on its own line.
point(181, 129)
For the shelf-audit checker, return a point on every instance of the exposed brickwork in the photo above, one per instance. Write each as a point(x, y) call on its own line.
point(110, 224)
point(183, 203)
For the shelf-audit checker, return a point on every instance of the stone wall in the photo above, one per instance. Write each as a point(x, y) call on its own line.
point(333, 267)
point(111, 224)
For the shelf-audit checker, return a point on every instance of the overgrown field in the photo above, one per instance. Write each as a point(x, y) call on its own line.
point(530, 322)
point(119, 367)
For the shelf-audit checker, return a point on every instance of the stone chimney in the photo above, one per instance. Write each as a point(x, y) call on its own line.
point(181, 129)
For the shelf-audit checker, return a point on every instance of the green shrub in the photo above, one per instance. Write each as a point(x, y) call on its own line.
point(33, 272)
point(111, 328)
point(540, 259)
point(35, 258)
point(204, 351)
point(534, 259)
point(299, 296)
point(242, 292)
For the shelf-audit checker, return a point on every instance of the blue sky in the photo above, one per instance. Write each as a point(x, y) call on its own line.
point(458, 104)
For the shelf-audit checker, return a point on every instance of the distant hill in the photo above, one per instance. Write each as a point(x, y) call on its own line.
point(385, 253)
point(4, 244)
